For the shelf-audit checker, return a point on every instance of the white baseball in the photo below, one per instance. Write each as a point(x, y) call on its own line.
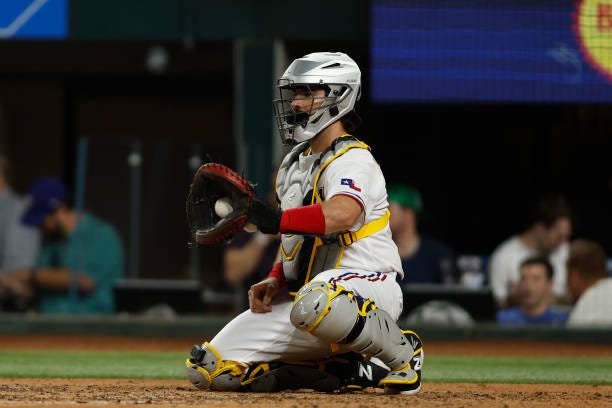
point(223, 207)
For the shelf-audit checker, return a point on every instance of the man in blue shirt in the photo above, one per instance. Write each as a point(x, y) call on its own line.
point(81, 257)
point(535, 297)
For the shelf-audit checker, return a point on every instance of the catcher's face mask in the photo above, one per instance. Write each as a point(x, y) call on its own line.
point(298, 106)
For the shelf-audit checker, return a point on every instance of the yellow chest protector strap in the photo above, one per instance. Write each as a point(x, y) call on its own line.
point(347, 238)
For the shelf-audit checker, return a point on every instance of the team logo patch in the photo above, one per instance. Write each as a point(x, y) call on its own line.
point(350, 183)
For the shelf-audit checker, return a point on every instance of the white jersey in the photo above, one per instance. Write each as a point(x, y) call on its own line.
point(346, 170)
point(368, 267)
point(504, 266)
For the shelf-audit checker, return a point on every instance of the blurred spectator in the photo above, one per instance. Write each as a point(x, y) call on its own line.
point(547, 235)
point(535, 297)
point(18, 244)
point(79, 253)
point(589, 284)
point(248, 259)
point(424, 259)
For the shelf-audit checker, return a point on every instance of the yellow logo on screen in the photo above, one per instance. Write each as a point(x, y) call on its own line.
point(594, 29)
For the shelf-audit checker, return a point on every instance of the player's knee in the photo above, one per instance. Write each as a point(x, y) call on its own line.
point(205, 369)
point(328, 312)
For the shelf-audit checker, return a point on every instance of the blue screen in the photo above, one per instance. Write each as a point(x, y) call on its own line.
point(33, 19)
point(474, 50)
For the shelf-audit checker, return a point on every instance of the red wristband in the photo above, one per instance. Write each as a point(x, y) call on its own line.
point(277, 272)
point(303, 220)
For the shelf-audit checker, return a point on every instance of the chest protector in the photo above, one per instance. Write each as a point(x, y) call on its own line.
point(296, 186)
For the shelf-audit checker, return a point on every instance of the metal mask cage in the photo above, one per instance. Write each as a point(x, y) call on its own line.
point(288, 118)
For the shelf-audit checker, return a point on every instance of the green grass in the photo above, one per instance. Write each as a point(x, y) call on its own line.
point(169, 365)
point(91, 364)
point(536, 370)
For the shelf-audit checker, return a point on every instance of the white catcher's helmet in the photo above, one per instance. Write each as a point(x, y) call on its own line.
point(337, 73)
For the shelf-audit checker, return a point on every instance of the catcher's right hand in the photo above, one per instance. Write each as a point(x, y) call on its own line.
point(213, 181)
point(261, 295)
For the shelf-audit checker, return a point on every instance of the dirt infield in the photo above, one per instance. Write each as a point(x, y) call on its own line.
point(176, 393)
point(179, 393)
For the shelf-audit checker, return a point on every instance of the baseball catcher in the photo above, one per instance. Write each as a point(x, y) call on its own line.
point(327, 312)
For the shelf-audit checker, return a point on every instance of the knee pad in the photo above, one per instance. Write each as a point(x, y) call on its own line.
point(326, 311)
point(333, 314)
point(205, 369)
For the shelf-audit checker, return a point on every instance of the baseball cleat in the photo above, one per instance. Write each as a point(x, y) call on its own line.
point(355, 372)
point(407, 380)
point(343, 373)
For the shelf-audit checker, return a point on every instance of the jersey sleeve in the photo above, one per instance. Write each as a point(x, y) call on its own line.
point(352, 175)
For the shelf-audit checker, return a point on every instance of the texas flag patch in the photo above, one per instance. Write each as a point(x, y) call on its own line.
point(350, 183)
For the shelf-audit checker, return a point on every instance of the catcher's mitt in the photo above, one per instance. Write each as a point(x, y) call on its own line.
point(211, 182)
